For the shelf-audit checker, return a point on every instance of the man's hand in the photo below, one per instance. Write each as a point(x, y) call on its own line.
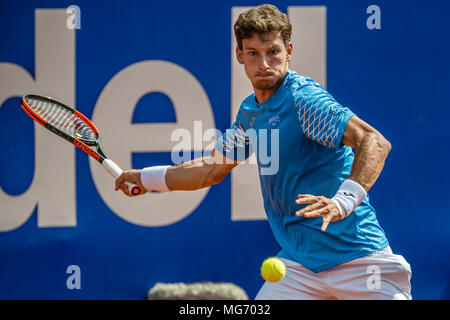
point(319, 207)
point(133, 176)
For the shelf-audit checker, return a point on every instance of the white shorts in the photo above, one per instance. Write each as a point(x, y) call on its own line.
point(380, 275)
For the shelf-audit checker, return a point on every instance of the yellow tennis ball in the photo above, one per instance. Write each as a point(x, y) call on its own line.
point(273, 269)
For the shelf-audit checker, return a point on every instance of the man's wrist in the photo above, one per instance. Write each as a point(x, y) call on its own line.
point(340, 208)
point(154, 178)
point(349, 196)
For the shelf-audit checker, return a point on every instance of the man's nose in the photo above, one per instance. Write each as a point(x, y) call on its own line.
point(263, 63)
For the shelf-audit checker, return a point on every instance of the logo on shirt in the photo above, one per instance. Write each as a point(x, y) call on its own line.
point(253, 120)
point(274, 121)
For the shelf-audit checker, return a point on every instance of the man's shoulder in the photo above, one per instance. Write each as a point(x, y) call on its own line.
point(303, 88)
point(248, 105)
point(249, 100)
point(295, 82)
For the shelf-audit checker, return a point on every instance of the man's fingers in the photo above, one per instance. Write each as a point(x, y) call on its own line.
point(124, 189)
point(119, 181)
point(316, 213)
point(326, 221)
point(306, 199)
point(319, 206)
point(128, 177)
point(311, 208)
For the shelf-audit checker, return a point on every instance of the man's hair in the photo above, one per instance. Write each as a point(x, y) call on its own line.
point(262, 19)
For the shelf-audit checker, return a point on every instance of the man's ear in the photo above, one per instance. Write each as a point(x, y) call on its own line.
point(290, 51)
point(239, 54)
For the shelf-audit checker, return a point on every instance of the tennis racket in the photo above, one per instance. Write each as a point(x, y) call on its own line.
point(72, 126)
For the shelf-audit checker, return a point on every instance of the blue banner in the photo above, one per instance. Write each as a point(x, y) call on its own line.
point(143, 70)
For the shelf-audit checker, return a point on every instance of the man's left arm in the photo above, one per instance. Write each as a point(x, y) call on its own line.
point(371, 150)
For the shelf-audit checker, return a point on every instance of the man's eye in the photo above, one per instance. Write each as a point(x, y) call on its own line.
point(251, 53)
point(274, 51)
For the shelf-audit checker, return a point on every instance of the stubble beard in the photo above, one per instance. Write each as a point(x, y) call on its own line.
point(268, 85)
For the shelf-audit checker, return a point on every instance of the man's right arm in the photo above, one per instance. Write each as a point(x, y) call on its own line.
point(199, 173)
point(192, 175)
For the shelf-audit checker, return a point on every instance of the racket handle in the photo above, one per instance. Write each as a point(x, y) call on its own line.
point(115, 171)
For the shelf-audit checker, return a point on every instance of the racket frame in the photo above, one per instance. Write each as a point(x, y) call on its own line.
point(83, 144)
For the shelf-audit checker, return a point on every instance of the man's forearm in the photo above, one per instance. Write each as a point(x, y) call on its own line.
point(370, 156)
point(192, 175)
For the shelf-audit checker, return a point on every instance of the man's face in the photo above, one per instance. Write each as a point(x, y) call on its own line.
point(265, 59)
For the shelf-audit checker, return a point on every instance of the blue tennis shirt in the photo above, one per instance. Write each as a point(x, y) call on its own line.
point(299, 128)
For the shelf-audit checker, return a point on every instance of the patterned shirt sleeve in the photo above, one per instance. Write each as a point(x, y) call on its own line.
point(235, 143)
point(321, 118)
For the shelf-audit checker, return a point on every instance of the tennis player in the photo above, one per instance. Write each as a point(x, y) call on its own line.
point(316, 203)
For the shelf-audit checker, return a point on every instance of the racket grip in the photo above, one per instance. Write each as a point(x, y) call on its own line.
point(115, 171)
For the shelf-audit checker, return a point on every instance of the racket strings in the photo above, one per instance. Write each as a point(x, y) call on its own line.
point(62, 119)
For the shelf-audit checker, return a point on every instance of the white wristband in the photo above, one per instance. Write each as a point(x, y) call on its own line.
point(341, 209)
point(349, 196)
point(154, 178)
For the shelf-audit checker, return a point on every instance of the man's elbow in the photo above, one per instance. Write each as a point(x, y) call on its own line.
point(388, 146)
point(383, 145)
